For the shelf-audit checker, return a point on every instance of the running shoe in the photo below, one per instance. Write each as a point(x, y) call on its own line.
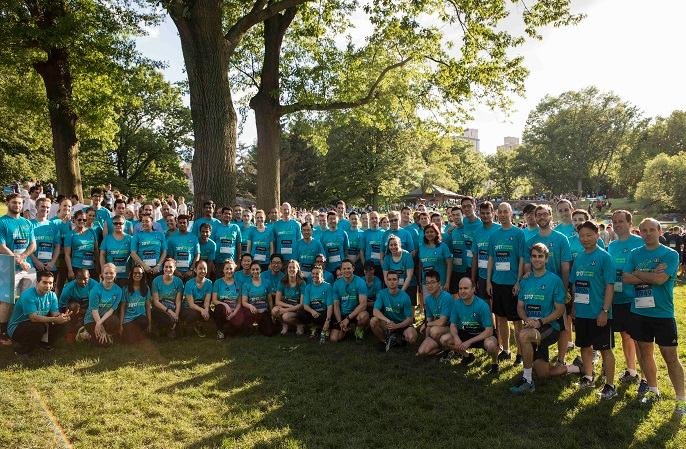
point(650, 398)
point(523, 386)
point(585, 382)
point(608, 392)
point(628, 378)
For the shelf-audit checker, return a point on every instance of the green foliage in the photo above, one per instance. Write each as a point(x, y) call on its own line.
point(506, 178)
point(574, 141)
point(302, 169)
point(661, 187)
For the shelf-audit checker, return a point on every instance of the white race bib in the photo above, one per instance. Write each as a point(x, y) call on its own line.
point(483, 263)
point(457, 261)
point(582, 298)
point(335, 258)
point(645, 302)
point(225, 250)
point(470, 254)
point(150, 262)
point(286, 250)
point(19, 252)
point(120, 269)
point(182, 264)
point(502, 266)
point(44, 255)
point(376, 256)
point(87, 263)
point(260, 257)
point(619, 287)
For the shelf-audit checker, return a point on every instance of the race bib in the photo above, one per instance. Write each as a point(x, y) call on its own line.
point(582, 298)
point(150, 262)
point(582, 294)
point(44, 255)
point(260, 257)
point(120, 269)
point(182, 264)
point(619, 287)
point(483, 264)
point(457, 261)
point(644, 297)
point(87, 263)
point(225, 250)
point(502, 266)
point(335, 258)
point(470, 254)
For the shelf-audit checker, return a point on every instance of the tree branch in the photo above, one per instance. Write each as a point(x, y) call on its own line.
point(371, 95)
point(251, 77)
point(259, 13)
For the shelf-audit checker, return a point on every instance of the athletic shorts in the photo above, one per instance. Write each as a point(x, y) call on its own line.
point(589, 334)
point(465, 335)
point(304, 317)
point(455, 281)
point(621, 317)
point(481, 289)
point(504, 302)
point(648, 329)
point(549, 335)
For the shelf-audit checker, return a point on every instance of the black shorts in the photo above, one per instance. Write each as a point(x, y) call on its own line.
point(337, 326)
point(648, 329)
point(481, 289)
point(455, 279)
point(412, 293)
point(465, 335)
point(621, 317)
point(504, 302)
point(549, 335)
point(589, 334)
point(304, 317)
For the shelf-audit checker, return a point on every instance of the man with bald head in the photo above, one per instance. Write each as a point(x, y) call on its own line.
point(471, 326)
point(506, 248)
point(287, 233)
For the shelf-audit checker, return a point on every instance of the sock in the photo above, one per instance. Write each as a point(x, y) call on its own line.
point(611, 385)
point(589, 378)
point(573, 369)
point(632, 372)
point(527, 374)
point(654, 390)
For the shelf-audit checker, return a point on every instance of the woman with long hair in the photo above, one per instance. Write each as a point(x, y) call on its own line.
point(134, 311)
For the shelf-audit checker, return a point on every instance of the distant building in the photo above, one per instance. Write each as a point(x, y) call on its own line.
point(471, 135)
point(186, 168)
point(510, 143)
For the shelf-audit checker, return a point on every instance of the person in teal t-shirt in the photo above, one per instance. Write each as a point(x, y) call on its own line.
point(167, 296)
point(47, 237)
point(350, 303)
point(116, 249)
point(184, 247)
point(620, 250)
point(286, 233)
point(35, 313)
point(198, 294)
point(355, 242)
point(80, 247)
point(393, 314)
point(257, 300)
point(480, 238)
point(564, 210)
point(306, 251)
point(317, 303)
point(102, 317)
point(148, 247)
point(471, 326)
point(652, 269)
point(433, 254)
point(540, 306)
point(438, 306)
point(261, 241)
point(399, 261)
point(470, 224)
point(288, 298)
point(208, 249)
point(335, 243)
point(135, 319)
point(593, 280)
point(226, 298)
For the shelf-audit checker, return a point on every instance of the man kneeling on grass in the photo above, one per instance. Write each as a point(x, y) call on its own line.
point(438, 306)
point(540, 306)
point(393, 314)
point(471, 326)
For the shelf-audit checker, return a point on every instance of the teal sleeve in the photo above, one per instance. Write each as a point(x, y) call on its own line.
point(566, 254)
point(407, 309)
point(378, 304)
point(672, 261)
point(385, 265)
point(559, 291)
point(30, 304)
point(609, 270)
point(93, 299)
point(67, 240)
point(485, 313)
point(54, 307)
point(362, 287)
point(454, 318)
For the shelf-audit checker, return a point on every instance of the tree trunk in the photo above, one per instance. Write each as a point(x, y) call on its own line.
point(56, 75)
point(268, 113)
point(206, 55)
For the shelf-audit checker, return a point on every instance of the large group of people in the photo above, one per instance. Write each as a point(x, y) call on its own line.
point(475, 280)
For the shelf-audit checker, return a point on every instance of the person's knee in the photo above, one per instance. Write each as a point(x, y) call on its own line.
point(491, 345)
point(410, 335)
point(528, 336)
point(374, 322)
point(446, 340)
point(363, 319)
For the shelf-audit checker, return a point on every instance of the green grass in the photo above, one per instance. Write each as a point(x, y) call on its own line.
point(257, 392)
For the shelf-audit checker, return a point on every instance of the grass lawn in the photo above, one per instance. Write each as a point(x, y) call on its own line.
point(257, 392)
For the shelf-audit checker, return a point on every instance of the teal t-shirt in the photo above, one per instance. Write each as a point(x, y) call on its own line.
point(529, 233)
point(245, 236)
point(82, 248)
point(290, 295)
point(540, 294)
point(273, 279)
point(575, 246)
point(286, 235)
point(396, 308)
point(373, 289)
point(349, 293)
point(258, 295)
point(654, 300)
point(149, 246)
point(506, 247)
point(208, 250)
point(558, 247)
point(318, 296)
point(405, 236)
point(72, 291)
point(102, 300)
point(135, 304)
point(438, 307)
point(355, 242)
point(118, 252)
point(306, 255)
point(167, 292)
point(229, 294)
point(195, 230)
point(473, 318)
point(457, 244)
point(566, 229)
point(589, 275)
point(260, 244)
point(469, 229)
point(620, 250)
point(335, 245)
point(481, 237)
point(373, 245)
point(400, 267)
point(47, 238)
point(183, 248)
point(227, 238)
point(31, 302)
point(436, 258)
point(197, 293)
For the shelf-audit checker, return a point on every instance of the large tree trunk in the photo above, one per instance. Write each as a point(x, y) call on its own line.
point(56, 76)
point(268, 112)
point(206, 55)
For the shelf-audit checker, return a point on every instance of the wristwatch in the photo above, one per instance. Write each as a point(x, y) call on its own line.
point(605, 310)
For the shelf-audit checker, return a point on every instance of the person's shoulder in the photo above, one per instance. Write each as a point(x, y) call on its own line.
point(29, 294)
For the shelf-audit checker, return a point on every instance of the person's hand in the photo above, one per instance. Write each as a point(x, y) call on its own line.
point(63, 317)
point(446, 286)
point(489, 288)
point(326, 325)
point(464, 345)
point(526, 275)
point(456, 341)
point(531, 323)
point(660, 268)
point(252, 309)
point(315, 314)
point(515, 289)
point(39, 266)
point(601, 320)
point(345, 323)
point(70, 273)
point(205, 314)
point(175, 315)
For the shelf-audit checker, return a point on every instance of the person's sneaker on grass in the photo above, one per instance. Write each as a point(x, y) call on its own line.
point(5, 340)
point(220, 335)
point(586, 382)
point(45, 346)
point(523, 386)
point(494, 370)
point(518, 359)
point(467, 359)
point(579, 363)
point(359, 333)
point(642, 388)
point(680, 409)
point(627, 378)
point(650, 398)
point(448, 357)
point(198, 331)
point(608, 392)
point(391, 341)
point(504, 355)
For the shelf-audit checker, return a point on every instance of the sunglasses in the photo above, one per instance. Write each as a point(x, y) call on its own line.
point(81, 220)
point(118, 223)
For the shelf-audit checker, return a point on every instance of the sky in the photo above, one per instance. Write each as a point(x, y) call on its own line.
point(630, 47)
